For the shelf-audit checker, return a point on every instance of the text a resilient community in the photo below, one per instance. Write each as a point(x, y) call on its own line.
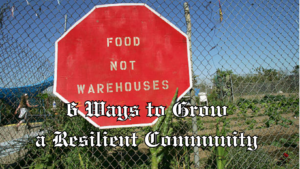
point(98, 139)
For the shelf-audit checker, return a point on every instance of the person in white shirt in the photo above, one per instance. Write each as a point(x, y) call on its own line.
point(23, 106)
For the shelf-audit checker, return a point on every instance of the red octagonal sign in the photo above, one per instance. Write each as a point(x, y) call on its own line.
point(122, 54)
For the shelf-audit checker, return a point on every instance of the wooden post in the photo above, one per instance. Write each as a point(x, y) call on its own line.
point(192, 92)
point(65, 28)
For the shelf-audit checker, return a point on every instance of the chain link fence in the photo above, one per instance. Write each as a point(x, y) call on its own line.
point(245, 56)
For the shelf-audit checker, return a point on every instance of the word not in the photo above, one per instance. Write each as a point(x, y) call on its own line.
point(180, 110)
point(123, 87)
point(61, 140)
point(123, 65)
point(126, 41)
point(151, 140)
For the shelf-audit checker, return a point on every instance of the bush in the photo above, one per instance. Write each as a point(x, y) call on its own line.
point(7, 114)
point(213, 96)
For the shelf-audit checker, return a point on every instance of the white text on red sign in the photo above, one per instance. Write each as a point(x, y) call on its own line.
point(127, 41)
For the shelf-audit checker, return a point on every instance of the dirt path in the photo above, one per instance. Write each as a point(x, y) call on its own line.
point(12, 142)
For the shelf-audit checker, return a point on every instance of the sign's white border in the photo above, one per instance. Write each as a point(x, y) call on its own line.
point(111, 5)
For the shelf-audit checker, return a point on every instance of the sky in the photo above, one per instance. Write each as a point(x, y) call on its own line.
point(251, 34)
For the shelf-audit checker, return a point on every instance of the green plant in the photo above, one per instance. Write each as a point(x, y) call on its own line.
point(221, 152)
point(276, 144)
point(81, 162)
point(291, 142)
point(181, 158)
point(296, 112)
point(213, 96)
point(254, 109)
point(66, 157)
point(288, 159)
point(42, 95)
point(231, 109)
point(272, 98)
point(182, 125)
point(163, 126)
point(255, 101)
point(200, 123)
point(251, 123)
point(7, 113)
point(286, 122)
point(275, 117)
point(243, 109)
point(269, 123)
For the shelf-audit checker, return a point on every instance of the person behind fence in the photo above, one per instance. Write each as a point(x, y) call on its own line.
point(24, 111)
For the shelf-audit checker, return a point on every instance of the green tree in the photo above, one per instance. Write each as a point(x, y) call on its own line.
point(269, 74)
point(295, 71)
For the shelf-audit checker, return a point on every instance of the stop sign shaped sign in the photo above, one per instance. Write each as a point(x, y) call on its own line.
point(121, 55)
